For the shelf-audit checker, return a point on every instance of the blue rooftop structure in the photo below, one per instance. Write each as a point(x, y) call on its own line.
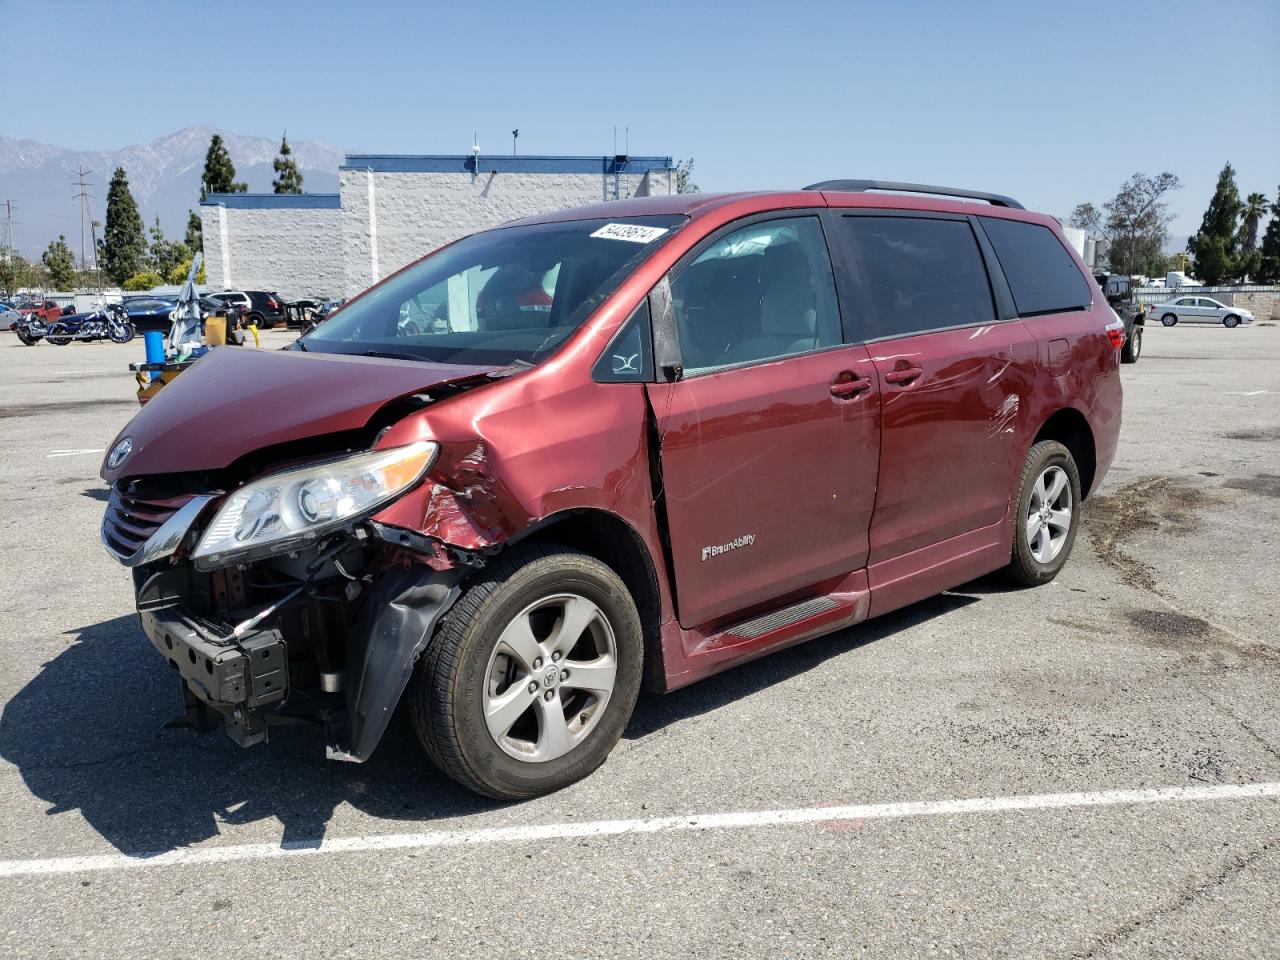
point(497, 163)
point(273, 201)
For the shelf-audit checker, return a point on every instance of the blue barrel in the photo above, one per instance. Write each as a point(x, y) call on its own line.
point(154, 339)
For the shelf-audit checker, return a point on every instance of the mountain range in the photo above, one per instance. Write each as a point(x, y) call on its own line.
point(42, 180)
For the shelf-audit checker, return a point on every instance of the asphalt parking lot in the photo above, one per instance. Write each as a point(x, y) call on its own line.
point(993, 772)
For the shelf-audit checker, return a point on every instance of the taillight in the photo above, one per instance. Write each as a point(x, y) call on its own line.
point(272, 303)
point(1115, 331)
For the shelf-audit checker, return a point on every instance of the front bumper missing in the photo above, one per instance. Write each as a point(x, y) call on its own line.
point(244, 680)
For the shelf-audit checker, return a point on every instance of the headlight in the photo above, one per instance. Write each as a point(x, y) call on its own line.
point(285, 509)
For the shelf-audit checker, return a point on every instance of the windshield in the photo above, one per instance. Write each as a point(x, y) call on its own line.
point(496, 298)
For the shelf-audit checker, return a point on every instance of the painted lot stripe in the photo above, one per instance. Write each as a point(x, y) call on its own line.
point(78, 452)
point(613, 828)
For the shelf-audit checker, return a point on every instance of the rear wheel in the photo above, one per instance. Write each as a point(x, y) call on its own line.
point(532, 676)
point(259, 321)
point(1230, 320)
point(1048, 514)
point(1132, 346)
point(1169, 319)
point(25, 337)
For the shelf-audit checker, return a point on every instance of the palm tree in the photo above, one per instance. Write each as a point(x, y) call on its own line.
point(1255, 208)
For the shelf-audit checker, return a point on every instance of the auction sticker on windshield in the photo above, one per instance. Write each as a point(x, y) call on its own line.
point(629, 231)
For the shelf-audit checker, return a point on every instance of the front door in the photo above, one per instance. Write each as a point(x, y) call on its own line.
point(770, 442)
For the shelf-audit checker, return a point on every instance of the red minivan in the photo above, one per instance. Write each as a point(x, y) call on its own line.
point(731, 423)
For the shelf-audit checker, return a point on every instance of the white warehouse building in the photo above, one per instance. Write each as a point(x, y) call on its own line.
point(391, 210)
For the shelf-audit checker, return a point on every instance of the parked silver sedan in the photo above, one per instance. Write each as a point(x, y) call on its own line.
point(1199, 310)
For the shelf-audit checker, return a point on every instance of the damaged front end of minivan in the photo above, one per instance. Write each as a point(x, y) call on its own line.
point(276, 589)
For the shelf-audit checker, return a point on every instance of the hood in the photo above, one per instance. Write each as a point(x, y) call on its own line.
point(234, 400)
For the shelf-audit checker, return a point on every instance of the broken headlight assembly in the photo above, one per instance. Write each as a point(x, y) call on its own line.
point(282, 511)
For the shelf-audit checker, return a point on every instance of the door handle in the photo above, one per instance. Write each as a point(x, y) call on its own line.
point(903, 375)
point(849, 388)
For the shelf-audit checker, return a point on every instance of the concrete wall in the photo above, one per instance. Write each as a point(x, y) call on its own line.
point(289, 244)
point(391, 218)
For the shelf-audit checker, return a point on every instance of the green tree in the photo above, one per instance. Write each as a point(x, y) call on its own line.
point(143, 280)
point(1135, 223)
point(1269, 263)
point(124, 245)
point(1216, 246)
point(165, 254)
point(194, 240)
point(684, 177)
point(57, 259)
point(15, 272)
point(219, 172)
point(179, 272)
point(1255, 208)
point(288, 177)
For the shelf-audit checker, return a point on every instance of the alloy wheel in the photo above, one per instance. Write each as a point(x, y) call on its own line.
point(550, 677)
point(1048, 519)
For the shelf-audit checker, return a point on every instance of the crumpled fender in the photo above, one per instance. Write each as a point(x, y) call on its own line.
point(397, 620)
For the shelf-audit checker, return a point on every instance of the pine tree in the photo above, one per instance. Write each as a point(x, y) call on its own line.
point(60, 263)
point(288, 177)
point(165, 254)
point(194, 240)
point(1216, 247)
point(1269, 268)
point(219, 171)
point(124, 245)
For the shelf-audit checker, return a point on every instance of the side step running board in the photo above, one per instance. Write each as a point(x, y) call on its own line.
point(781, 618)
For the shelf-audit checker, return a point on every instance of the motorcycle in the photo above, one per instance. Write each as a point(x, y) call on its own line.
point(107, 322)
point(30, 328)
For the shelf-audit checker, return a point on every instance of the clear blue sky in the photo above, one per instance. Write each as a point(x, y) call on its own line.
point(1052, 103)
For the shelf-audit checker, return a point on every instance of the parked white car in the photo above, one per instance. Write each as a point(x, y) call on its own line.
point(1199, 310)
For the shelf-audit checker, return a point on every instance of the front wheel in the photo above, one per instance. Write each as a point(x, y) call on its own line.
point(120, 332)
point(1231, 320)
point(532, 676)
point(57, 337)
point(1047, 516)
point(1132, 346)
point(1169, 319)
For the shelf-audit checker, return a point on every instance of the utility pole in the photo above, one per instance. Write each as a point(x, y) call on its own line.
point(85, 216)
point(9, 207)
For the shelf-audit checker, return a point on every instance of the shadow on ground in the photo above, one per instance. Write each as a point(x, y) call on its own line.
point(88, 734)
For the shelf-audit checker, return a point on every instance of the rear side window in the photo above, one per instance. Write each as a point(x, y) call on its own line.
point(920, 274)
point(1042, 275)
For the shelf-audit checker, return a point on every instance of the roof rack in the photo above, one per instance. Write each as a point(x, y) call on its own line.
point(862, 186)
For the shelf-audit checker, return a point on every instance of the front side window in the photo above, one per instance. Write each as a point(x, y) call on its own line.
point(758, 293)
point(511, 295)
point(1042, 276)
point(920, 274)
point(1187, 302)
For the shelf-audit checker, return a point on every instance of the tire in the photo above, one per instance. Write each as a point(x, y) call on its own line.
point(1132, 346)
point(468, 669)
point(1034, 561)
point(25, 337)
point(1169, 319)
point(258, 320)
point(56, 337)
point(1230, 321)
point(122, 333)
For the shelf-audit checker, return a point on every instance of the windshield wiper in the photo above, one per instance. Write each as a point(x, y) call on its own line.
point(388, 355)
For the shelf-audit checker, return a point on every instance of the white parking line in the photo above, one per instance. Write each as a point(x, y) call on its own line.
point(73, 453)
point(611, 828)
point(1247, 393)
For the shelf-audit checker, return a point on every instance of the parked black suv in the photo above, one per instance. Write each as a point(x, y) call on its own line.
point(265, 308)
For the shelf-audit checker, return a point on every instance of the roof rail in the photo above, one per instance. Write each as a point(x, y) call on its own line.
point(862, 186)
